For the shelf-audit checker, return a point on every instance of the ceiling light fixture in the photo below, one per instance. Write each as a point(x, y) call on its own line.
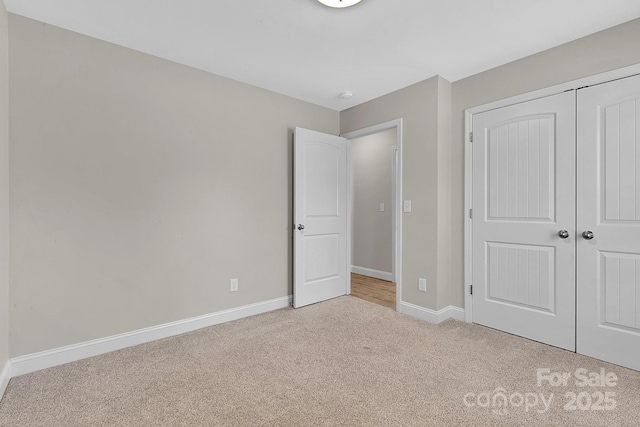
point(339, 3)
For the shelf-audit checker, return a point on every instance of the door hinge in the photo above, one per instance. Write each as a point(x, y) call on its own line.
point(470, 136)
point(471, 213)
point(471, 289)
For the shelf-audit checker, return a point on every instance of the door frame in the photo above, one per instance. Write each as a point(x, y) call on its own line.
point(468, 170)
point(396, 213)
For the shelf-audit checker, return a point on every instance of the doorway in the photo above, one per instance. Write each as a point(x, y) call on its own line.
point(322, 226)
point(371, 169)
point(375, 179)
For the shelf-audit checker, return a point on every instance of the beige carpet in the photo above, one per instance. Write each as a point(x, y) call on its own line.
point(342, 362)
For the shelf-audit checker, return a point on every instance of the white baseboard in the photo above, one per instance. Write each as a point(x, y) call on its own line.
point(432, 316)
point(59, 356)
point(5, 376)
point(384, 275)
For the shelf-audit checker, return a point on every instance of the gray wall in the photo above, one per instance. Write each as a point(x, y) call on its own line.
point(607, 50)
point(136, 183)
point(444, 281)
point(418, 106)
point(4, 187)
point(139, 187)
point(371, 167)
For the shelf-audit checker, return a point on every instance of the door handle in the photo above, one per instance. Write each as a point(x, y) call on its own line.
point(588, 235)
point(300, 227)
point(563, 234)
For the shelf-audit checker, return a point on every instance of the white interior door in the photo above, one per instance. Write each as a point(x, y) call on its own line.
point(523, 272)
point(608, 299)
point(320, 216)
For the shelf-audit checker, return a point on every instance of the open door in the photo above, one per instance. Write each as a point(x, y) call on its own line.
point(320, 216)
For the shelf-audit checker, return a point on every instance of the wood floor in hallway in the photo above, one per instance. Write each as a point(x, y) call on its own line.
point(377, 291)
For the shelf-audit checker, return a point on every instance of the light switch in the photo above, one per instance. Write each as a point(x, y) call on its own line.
point(407, 205)
point(381, 207)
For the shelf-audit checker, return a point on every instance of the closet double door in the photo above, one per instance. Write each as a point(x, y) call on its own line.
point(556, 220)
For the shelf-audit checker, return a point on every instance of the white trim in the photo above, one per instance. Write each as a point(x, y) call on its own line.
point(468, 126)
point(5, 376)
point(383, 275)
point(349, 217)
point(553, 90)
point(468, 223)
point(58, 356)
point(372, 129)
point(397, 205)
point(394, 213)
point(432, 316)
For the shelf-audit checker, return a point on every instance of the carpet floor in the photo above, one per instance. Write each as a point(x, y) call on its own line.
point(343, 362)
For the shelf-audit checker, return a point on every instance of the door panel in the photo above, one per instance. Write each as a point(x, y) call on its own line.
point(320, 215)
point(521, 170)
point(608, 295)
point(523, 194)
point(521, 275)
point(322, 174)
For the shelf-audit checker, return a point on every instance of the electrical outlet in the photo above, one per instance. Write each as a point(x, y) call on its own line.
point(422, 285)
point(233, 285)
point(407, 205)
point(381, 207)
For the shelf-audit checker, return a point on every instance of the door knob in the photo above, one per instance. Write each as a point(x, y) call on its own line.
point(563, 234)
point(300, 227)
point(588, 235)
